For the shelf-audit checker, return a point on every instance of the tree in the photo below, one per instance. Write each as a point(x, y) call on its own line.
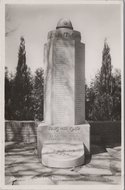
point(7, 95)
point(38, 94)
point(103, 105)
point(106, 70)
point(103, 97)
point(116, 95)
point(22, 100)
point(89, 101)
point(9, 82)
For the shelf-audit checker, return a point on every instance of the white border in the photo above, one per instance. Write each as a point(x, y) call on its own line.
point(2, 60)
point(2, 53)
point(62, 1)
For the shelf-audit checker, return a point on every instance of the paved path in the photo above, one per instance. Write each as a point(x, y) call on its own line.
point(22, 167)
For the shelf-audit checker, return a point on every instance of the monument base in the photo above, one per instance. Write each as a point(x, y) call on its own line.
point(63, 155)
point(63, 146)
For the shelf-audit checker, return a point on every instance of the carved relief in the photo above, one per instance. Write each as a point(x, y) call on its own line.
point(65, 35)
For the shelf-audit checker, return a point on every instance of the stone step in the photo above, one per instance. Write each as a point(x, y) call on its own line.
point(63, 155)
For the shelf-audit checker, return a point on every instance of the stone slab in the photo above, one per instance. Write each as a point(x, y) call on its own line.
point(94, 171)
point(63, 134)
point(59, 176)
point(63, 155)
point(38, 181)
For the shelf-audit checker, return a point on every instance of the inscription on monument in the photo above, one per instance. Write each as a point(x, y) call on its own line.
point(63, 77)
point(79, 84)
point(62, 133)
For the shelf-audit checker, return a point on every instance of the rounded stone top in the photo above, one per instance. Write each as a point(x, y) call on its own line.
point(64, 23)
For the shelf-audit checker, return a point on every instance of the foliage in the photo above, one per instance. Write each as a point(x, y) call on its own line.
point(106, 71)
point(103, 97)
point(22, 88)
point(8, 94)
point(23, 92)
point(38, 94)
point(116, 94)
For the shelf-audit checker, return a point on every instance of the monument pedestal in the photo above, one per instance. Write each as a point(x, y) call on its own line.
point(63, 155)
point(63, 146)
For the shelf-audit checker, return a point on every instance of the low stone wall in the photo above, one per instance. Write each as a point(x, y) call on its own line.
point(102, 132)
point(21, 131)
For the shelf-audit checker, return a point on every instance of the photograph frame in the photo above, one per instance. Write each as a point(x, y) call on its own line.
point(2, 89)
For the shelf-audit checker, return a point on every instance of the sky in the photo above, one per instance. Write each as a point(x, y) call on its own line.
point(95, 22)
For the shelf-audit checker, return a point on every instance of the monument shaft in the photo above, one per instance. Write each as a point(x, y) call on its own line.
point(64, 78)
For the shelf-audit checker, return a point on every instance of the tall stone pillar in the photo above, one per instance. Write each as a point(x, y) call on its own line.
point(64, 90)
point(64, 76)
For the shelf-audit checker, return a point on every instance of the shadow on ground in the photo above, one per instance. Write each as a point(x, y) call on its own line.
point(22, 166)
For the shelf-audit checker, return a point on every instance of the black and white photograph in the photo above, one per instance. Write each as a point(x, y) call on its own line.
point(62, 94)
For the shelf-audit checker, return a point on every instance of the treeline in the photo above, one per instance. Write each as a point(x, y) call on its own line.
point(24, 92)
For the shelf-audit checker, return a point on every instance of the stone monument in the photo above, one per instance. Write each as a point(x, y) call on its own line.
point(63, 139)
